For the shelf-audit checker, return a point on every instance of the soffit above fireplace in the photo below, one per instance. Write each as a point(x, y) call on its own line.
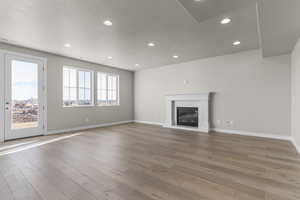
point(190, 97)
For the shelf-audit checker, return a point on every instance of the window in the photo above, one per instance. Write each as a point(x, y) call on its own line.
point(107, 89)
point(77, 87)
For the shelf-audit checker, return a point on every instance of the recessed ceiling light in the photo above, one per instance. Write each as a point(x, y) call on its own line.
point(109, 57)
point(175, 56)
point(151, 44)
point(236, 43)
point(107, 23)
point(137, 65)
point(199, 0)
point(67, 45)
point(225, 20)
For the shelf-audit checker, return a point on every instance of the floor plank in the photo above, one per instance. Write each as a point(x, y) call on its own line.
point(145, 162)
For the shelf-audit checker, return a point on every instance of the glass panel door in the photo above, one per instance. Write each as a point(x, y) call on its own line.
point(24, 106)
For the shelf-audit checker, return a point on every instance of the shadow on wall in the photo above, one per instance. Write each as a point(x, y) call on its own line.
point(211, 109)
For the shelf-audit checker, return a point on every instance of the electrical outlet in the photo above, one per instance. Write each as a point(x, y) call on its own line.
point(185, 82)
point(229, 123)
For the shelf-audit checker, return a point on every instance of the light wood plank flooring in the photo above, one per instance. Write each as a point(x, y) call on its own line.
point(144, 162)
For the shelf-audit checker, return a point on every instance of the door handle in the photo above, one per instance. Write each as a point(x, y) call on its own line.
point(7, 105)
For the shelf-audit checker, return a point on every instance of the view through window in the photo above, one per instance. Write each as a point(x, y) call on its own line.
point(107, 89)
point(77, 87)
point(24, 88)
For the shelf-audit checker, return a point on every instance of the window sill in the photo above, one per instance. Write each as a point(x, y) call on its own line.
point(79, 106)
point(87, 106)
point(108, 105)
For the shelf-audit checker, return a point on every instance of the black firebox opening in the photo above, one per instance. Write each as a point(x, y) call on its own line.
point(187, 116)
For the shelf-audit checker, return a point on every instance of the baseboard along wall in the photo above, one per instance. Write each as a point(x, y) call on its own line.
point(81, 128)
point(238, 132)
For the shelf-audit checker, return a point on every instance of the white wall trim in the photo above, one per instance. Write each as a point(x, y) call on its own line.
point(50, 132)
point(2, 92)
point(295, 144)
point(148, 122)
point(238, 132)
point(255, 134)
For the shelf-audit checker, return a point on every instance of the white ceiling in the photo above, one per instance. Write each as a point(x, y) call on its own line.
point(189, 29)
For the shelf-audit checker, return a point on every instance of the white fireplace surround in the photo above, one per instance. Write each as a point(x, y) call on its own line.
point(200, 101)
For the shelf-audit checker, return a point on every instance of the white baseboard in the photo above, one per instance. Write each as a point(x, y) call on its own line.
point(247, 133)
point(50, 132)
point(295, 144)
point(236, 132)
point(147, 122)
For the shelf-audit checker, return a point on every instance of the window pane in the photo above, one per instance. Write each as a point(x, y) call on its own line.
point(66, 77)
point(87, 77)
point(81, 79)
point(110, 80)
point(114, 83)
point(107, 88)
point(81, 94)
point(73, 80)
point(114, 95)
point(101, 80)
point(101, 88)
point(73, 94)
point(66, 93)
point(102, 95)
point(87, 94)
point(109, 95)
point(24, 94)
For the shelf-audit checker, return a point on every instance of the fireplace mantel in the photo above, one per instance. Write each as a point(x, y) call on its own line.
point(199, 100)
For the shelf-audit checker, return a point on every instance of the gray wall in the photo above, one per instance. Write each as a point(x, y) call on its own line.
point(253, 92)
point(64, 118)
point(296, 94)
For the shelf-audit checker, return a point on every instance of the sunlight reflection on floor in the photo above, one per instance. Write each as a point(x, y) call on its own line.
point(31, 144)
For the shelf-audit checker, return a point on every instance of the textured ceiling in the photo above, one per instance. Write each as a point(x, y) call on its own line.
point(187, 28)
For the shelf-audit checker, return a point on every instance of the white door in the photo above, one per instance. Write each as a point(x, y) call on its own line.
point(24, 97)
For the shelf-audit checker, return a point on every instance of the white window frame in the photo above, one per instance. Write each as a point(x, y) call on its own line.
point(117, 88)
point(77, 86)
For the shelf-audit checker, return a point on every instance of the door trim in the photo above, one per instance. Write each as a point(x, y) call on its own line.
point(3, 54)
point(2, 96)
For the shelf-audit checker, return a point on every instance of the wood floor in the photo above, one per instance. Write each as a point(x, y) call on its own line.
point(144, 162)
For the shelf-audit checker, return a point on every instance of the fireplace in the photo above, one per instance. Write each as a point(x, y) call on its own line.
point(188, 112)
point(187, 116)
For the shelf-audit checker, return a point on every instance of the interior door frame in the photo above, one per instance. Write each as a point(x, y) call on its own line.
point(3, 54)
